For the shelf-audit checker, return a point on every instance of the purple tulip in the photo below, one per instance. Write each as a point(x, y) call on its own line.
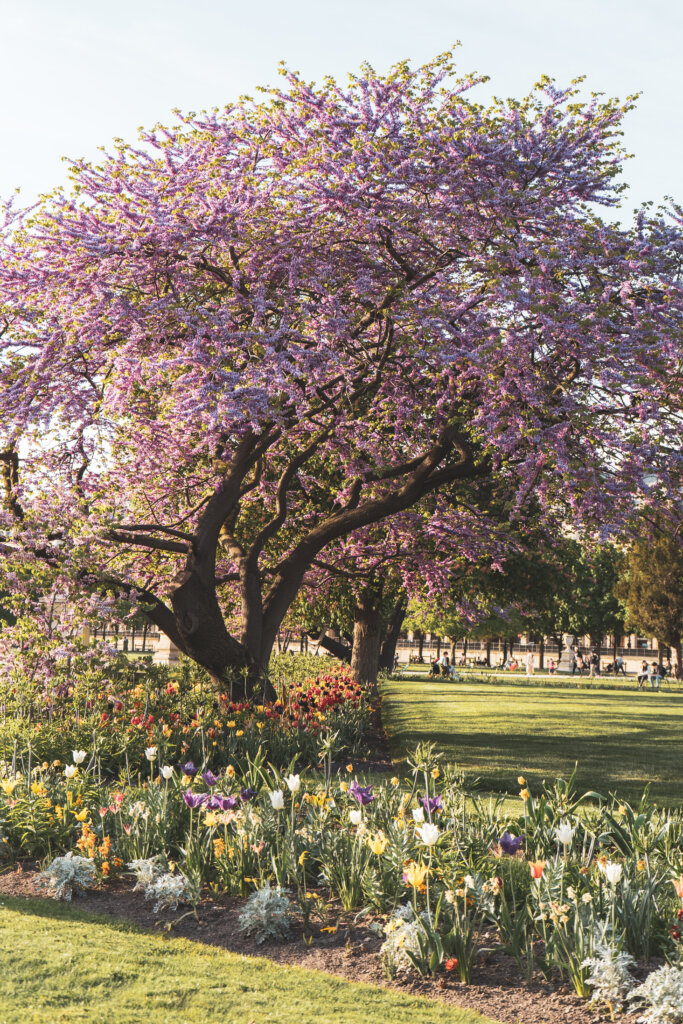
point(209, 778)
point(247, 793)
point(194, 800)
point(363, 794)
point(224, 803)
point(431, 803)
point(189, 769)
point(510, 844)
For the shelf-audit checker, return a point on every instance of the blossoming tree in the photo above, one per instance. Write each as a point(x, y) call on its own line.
point(280, 323)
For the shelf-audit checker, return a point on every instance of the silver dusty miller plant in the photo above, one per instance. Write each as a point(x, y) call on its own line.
point(65, 874)
point(267, 914)
point(609, 978)
point(661, 996)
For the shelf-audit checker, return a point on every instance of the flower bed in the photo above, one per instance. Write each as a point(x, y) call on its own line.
point(569, 886)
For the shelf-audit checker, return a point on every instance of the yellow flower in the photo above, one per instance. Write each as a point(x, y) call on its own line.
point(641, 865)
point(8, 786)
point(59, 811)
point(525, 794)
point(210, 819)
point(343, 786)
point(378, 843)
point(259, 725)
point(302, 858)
point(435, 773)
point(82, 815)
point(38, 789)
point(521, 781)
point(218, 847)
point(622, 809)
point(349, 768)
point(230, 771)
point(415, 874)
point(231, 725)
point(240, 732)
point(394, 781)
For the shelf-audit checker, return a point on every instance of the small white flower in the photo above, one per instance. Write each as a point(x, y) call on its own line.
point(167, 771)
point(418, 815)
point(78, 756)
point(277, 799)
point(428, 834)
point(355, 817)
point(293, 783)
point(70, 771)
point(586, 898)
point(612, 872)
point(565, 834)
point(469, 882)
point(150, 753)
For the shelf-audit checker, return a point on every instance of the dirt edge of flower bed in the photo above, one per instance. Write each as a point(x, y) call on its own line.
point(349, 951)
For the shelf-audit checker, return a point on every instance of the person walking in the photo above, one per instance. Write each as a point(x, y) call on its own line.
point(619, 665)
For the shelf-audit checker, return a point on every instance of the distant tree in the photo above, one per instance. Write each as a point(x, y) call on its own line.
point(652, 590)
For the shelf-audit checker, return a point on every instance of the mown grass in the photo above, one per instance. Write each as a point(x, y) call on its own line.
point(494, 731)
point(61, 966)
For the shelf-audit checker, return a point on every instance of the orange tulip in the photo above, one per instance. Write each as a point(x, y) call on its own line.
point(536, 868)
point(678, 886)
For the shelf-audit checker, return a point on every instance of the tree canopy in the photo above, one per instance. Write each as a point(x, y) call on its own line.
point(272, 326)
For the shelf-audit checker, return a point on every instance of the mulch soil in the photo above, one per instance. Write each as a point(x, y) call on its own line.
point(498, 990)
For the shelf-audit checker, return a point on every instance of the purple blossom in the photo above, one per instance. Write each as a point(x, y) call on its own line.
point(247, 793)
point(194, 800)
point(431, 803)
point(363, 794)
point(209, 778)
point(223, 803)
point(510, 844)
point(189, 769)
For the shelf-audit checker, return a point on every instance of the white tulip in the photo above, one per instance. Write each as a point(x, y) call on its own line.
point(70, 771)
point(293, 783)
point(355, 817)
point(418, 815)
point(565, 834)
point(167, 771)
point(428, 834)
point(150, 753)
point(78, 756)
point(612, 872)
point(277, 799)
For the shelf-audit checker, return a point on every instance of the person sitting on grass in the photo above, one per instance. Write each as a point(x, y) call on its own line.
point(434, 667)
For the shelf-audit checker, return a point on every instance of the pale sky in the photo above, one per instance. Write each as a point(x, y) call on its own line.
point(75, 74)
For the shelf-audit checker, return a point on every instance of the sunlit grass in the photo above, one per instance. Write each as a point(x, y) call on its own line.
point(494, 731)
point(61, 967)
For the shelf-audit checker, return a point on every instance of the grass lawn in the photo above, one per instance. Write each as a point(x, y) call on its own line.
point(495, 731)
point(61, 966)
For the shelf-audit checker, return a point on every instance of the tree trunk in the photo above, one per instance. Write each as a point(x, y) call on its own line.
point(392, 633)
point(678, 647)
point(488, 654)
point(541, 653)
point(366, 638)
point(420, 647)
point(336, 647)
point(505, 650)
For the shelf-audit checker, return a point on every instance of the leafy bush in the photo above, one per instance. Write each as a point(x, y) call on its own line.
point(267, 915)
point(66, 874)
